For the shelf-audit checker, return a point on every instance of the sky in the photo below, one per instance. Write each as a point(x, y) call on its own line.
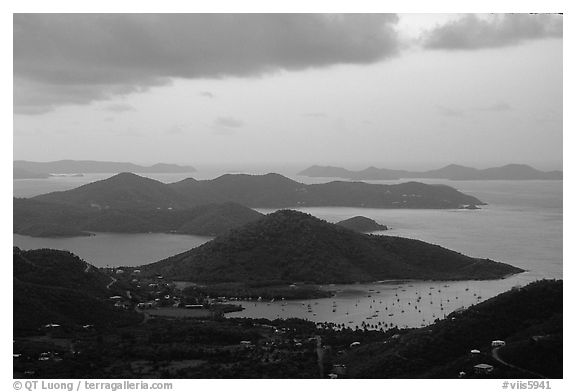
point(411, 91)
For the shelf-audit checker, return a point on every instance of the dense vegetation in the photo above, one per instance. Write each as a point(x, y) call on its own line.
point(289, 246)
point(52, 286)
point(362, 224)
point(450, 172)
point(122, 191)
point(443, 349)
point(529, 319)
point(128, 203)
point(197, 349)
point(128, 190)
point(47, 219)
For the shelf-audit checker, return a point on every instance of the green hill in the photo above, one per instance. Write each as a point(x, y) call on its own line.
point(48, 219)
point(124, 190)
point(52, 286)
point(129, 191)
point(276, 191)
point(290, 246)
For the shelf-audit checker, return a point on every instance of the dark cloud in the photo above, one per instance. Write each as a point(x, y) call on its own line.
point(119, 107)
point(33, 97)
point(78, 58)
point(493, 31)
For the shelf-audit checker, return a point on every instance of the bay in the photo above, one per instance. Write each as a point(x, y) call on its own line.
point(521, 225)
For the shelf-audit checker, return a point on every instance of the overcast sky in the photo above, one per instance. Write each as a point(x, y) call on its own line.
point(397, 91)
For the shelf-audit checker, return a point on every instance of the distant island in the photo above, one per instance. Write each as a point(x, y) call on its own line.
point(362, 224)
point(289, 246)
point(130, 191)
point(512, 172)
point(128, 203)
point(29, 169)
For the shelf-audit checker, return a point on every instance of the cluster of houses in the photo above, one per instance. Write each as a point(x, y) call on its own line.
point(151, 293)
point(483, 369)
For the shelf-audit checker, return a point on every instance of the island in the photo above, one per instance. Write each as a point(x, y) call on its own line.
point(362, 224)
point(129, 203)
point(511, 172)
point(289, 246)
point(131, 191)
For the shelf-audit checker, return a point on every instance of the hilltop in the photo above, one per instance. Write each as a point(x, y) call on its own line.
point(52, 286)
point(128, 190)
point(451, 172)
point(71, 167)
point(442, 350)
point(362, 224)
point(276, 191)
point(290, 246)
point(124, 190)
point(129, 203)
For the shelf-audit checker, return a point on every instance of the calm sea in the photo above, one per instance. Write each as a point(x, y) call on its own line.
point(521, 225)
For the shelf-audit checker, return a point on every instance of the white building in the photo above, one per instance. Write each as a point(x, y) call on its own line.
point(483, 368)
point(498, 343)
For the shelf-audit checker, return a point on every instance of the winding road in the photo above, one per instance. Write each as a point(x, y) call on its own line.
point(114, 280)
point(497, 357)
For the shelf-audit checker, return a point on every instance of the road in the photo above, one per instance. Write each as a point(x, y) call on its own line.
point(497, 357)
point(114, 280)
point(146, 315)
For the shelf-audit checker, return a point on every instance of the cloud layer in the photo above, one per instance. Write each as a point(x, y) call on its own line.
point(493, 31)
point(78, 58)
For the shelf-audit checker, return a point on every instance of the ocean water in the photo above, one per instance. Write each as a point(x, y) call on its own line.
point(385, 304)
point(521, 225)
point(112, 250)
